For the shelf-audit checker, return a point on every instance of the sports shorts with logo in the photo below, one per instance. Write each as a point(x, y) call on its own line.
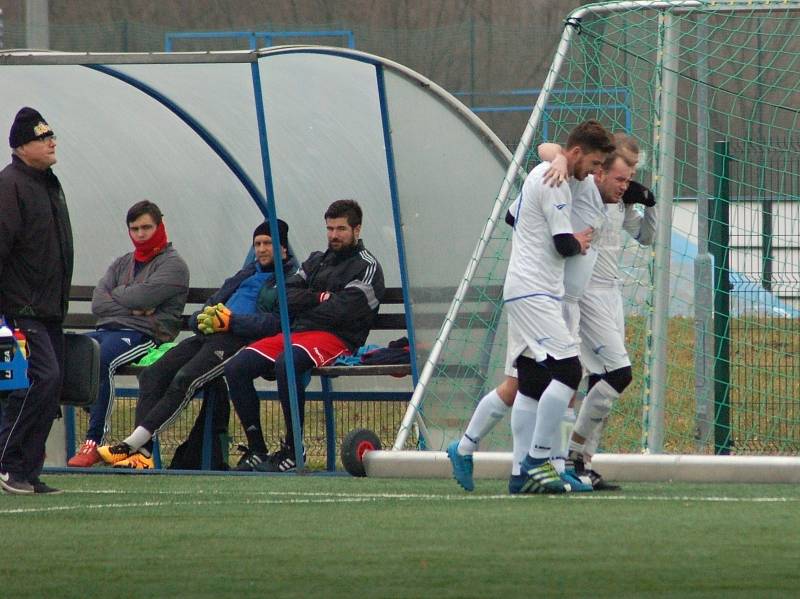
point(536, 329)
point(603, 330)
point(322, 347)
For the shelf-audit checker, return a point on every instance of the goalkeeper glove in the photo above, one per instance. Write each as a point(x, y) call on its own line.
point(638, 194)
point(204, 323)
point(220, 318)
point(214, 319)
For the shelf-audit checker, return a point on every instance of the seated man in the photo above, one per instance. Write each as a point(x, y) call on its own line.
point(138, 303)
point(333, 300)
point(250, 298)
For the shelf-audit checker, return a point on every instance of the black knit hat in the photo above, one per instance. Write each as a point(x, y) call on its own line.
point(27, 126)
point(283, 232)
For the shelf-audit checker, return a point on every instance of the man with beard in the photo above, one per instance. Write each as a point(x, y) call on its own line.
point(332, 301)
point(540, 344)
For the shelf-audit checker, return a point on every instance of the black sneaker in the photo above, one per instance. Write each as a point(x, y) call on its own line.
point(281, 461)
point(41, 488)
point(250, 460)
point(15, 486)
point(599, 483)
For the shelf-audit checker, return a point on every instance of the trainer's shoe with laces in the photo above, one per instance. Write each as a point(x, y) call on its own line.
point(42, 488)
point(112, 454)
point(15, 486)
point(462, 467)
point(86, 457)
point(282, 460)
point(137, 461)
point(541, 477)
point(250, 459)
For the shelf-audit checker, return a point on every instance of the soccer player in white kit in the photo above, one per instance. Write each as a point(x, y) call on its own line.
point(540, 344)
point(602, 323)
point(587, 211)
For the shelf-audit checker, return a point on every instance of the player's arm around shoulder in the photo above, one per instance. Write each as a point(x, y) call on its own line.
point(641, 225)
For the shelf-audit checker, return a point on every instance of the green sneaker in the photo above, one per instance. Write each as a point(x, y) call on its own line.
point(541, 477)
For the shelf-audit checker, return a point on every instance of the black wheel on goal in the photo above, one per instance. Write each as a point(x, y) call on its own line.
point(354, 446)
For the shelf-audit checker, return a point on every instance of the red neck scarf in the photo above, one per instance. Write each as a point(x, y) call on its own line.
point(147, 250)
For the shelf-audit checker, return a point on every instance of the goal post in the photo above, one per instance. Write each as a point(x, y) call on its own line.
point(679, 76)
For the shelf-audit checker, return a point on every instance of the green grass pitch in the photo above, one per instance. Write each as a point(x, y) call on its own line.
point(119, 536)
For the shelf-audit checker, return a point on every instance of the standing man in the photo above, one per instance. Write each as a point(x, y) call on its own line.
point(540, 344)
point(602, 320)
point(242, 310)
point(139, 302)
point(333, 300)
point(587, 213)
point(36, 256)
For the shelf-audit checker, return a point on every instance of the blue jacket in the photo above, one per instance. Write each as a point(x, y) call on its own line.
point(249, 326)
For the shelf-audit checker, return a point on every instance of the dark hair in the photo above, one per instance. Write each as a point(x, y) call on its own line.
point(348, 208)
point(591, 136)
point(142, 208)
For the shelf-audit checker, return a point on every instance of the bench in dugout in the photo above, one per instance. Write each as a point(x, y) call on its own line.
point(382, 410)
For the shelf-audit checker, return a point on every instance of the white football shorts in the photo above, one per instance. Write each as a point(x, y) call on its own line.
point(602, 326)
point(536, 329)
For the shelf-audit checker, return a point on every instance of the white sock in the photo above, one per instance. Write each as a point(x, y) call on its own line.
point(594, 442)
point(595, 409)
point(138, 437)
point(523, 421)
point(576, 447)
point(489, 411)
point(558, 453)
point(552, 407)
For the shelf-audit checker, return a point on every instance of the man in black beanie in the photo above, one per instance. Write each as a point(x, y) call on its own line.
point(244, 309)
point(36, 256)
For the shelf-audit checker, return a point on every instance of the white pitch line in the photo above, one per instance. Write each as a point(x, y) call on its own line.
point(343, 498)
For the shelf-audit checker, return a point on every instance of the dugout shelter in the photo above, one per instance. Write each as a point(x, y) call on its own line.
point(219, 140)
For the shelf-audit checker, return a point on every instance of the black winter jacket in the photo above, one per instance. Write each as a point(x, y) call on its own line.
point(36, 251)
point(353, 278)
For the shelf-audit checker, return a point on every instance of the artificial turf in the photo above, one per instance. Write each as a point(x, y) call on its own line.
point(116, 536)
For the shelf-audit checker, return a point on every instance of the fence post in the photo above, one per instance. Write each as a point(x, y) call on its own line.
point(718, 247)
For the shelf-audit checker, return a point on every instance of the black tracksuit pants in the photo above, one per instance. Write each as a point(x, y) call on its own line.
point(28, 414)
point(166, 386)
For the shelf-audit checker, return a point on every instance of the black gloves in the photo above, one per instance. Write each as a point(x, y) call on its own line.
point(638, 194)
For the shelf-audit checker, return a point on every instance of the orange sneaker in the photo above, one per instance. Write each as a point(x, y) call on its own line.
point(137, 461)
point(87, 456)
point(111, 454)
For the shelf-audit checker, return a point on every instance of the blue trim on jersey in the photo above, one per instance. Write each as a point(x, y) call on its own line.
point(519, 207)
point(513, 299)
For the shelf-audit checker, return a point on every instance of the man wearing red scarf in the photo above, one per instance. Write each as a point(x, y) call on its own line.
point(138, 303)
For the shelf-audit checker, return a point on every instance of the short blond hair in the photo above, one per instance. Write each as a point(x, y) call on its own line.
point(625, 147)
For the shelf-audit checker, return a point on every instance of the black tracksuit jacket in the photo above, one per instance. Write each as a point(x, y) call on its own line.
point(354, 279)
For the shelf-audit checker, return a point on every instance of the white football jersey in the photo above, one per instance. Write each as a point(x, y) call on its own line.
point(588, 210)
point(608, 241)
point(541, 211)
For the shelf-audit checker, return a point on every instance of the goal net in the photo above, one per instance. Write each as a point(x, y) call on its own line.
point(710, 92)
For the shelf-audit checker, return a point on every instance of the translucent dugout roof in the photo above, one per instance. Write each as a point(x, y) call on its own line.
point(183, 131)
